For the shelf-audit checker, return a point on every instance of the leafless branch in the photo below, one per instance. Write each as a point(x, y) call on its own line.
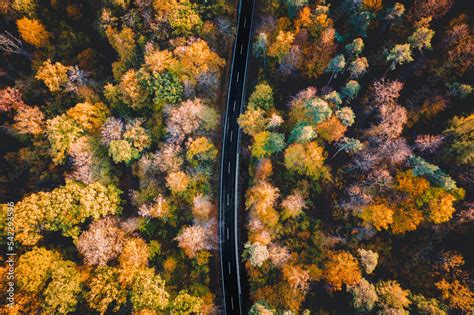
point(11, 44)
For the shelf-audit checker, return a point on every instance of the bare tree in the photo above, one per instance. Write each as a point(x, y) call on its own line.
point(12, 45)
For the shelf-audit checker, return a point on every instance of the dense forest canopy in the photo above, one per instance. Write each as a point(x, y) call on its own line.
point(357, 147)
point(360, 145)
point(110, 115)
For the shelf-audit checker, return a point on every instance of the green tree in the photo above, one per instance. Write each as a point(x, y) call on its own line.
point(318, 110)
point(346, 116)
point(355, 48)
point(460, 90)
point(400, 54)
point(302, 133)
point(350, 90)
point(260, 46)
point(461, 139)
point(183, 19)
point(61, 132)
point(267, 143)
point(261, 97)
point(185, 303)
point(335, 66)
point(122, 151)
point(166, 88)
point(428, 306)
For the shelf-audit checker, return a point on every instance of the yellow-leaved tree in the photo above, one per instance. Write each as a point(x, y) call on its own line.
point(33, 32)
point(341, 268)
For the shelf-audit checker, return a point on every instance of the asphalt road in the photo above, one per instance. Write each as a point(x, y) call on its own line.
point(228, 191)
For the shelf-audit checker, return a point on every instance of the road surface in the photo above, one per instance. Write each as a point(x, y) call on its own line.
point(228, 186)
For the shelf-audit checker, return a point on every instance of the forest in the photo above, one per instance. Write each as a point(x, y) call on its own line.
point(110, 114)
point(357, 156)
point(359, 136)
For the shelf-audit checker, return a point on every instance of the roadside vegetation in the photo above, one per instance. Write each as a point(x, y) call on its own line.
point(110, 115)
point(359, 137)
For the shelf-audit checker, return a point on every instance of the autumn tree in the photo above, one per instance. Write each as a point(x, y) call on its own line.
point(255, 253)
point(158, 208)
point(261, 97)
point(62, 293)
point(262, 198)
point(42, 272)
point(63, 209)
point(202, 207)
point(281, 46)
point(197, 58)
point(368, 259)
point(10, 98)
point(364, 295)
point(132, 91)
point(185, 303)
point(105, 290)
point(183, 19)
point(102, 242)
point(89, 116)
point(26, 7)
point(133, 259)
point(458, 43)
point(297, 277)
point(168, 158)
point(29, 120)
point(201, 149)
point(305, 159)
point(261, 308)
point(148, 292)
point(54, 76)
point(61, 132)
point(189, 117)
point(378, 215)
point(195, 238)
point(358, 67)
point(252, 121)
point(33, 32)
point(177, 182)
point(341, 268)
point(398, 55)
point(421, 38)
point(293, 205)
point(392, 298)
point(122, 151)
point(461, 134)
point(456, 294)
point(112, 129)
point(267, 143)
point(34, 269)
